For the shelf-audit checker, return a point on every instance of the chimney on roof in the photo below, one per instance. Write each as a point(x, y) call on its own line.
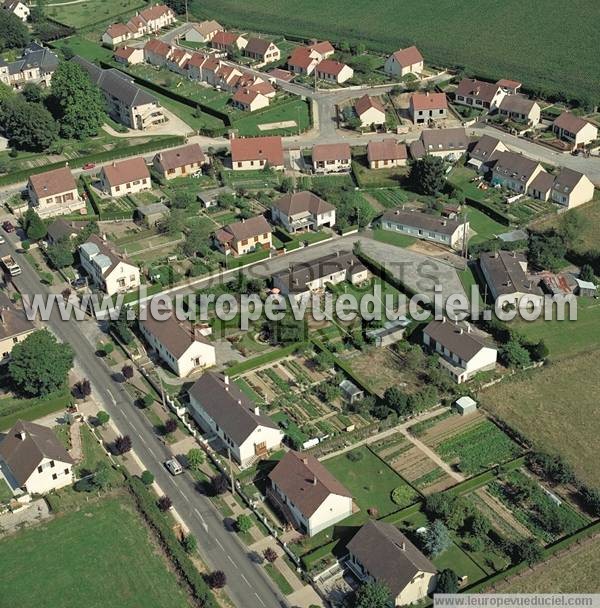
point(226, 380)
point(304, 460)
point(403, 546)
point(22, 435)
point(257, 411)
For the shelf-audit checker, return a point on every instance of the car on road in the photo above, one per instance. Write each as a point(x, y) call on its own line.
point(8, 227)
point(2, 240)
point(88, 166)
point(173, 466)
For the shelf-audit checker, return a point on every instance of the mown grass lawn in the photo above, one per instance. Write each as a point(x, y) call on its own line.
point(88, 49)
point(485, 227)
point(100, 555)
point(369, 480)
point(85, 13)
point(393, 238)
point(296, 110)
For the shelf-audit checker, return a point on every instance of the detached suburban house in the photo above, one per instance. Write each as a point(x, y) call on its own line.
point(445, 231)
point(204, 31)
point(380, 552)
point(36, 65)
point(449, 144)
point(14, 327)
point(515, 171)
point(386, 154)
point(125, 177)
point(54, 193)
point(303, 60)
point(181, 348)
point(571, 188)
point(425, 107)
point(262, 50)
point(179, 162)
point(108, 270)
point(484, 152)
point(228, 41)
point(505, 275)
point(33, 460)
point(250, 99)
point(220, 407)
point(403, 62)
point(479, 94)
point(17, 8)
point(63, 230)
point(244, 236)
point(334, 71)
point(574, 129)
point(256, 153)
point(306, 278)
point(331, 158)
point(129, 55)
point(520, 109)
point(463, 353)
point(302, 211)
point(308, 496)
point(370, 111)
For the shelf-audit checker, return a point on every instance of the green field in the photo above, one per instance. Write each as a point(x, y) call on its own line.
point(370, 481)
point(485, 227)
point(88, 49)
point(531, 41)
point(100, 555)
point(88, 12)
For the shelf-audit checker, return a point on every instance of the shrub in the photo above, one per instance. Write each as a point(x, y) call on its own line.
point(147, 478)
point(122, 444)
point(355, 456)
point(217, 579)
point(102, 417)
point(164, 503)
point(190, 543)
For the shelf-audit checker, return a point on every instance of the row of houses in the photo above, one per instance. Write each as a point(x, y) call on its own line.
point(315, 59)
point(143, 23)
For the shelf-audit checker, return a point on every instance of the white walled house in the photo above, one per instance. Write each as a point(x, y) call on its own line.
point(574, 129)
point(308, 496)
point(331, 158)
point(249, 153)
point(54, 193)
point(520, 109)
point(107, 270)
point(571, 188)
point(203, 32)
point(386, 154)
point(370, 111)
point(334, 71)
point(380, 552)
point(220, 407)
point(181, 348)
point(14, 327)
point(463, 352)
point(403, 62)
point(244, 236)
point(33, 460)
point(125, 177)
point(17, 8)
point(302, 211)
point(515, 171)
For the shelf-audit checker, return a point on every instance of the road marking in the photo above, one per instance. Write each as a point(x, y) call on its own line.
point(112, 398)
point(246, 581)
point(184, 496)
point(229, 558)
point(219, 543)
point(258, 597)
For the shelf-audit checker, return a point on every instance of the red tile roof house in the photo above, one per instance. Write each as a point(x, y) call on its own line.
point(403, 62)
point(129, 55)
point(54, 193)
point(324, 49)
point(249, 99)
point(156, 52)
point(125, 177)
point(262, 50)
point(574, 130)
point(520, 109)
point(156, 17)
point(303, 61)
point(479, 94)
point(179, 162)
point(229, 41)
point(386, 154)
point(244, 236)
point(177, 61)
point(117, 33)
point(332, 158)
point(370, 111)
point(149, 21)
point(426, 107)
point(307, 495)
point(256, 152)
point(510, 87)
point(334, 71)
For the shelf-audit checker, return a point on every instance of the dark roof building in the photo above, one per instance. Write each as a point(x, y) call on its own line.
point(505, 274)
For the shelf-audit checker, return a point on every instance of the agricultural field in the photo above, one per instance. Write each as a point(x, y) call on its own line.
point(450, 35)
point(391, 197)
point(553, 403)
point(104, 544)
point(90, 12)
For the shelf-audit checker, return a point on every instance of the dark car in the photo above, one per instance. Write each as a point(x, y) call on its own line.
point(79, 282)
point(8, 227)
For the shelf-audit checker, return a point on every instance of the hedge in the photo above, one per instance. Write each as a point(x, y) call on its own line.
point(311, 559)
point(99, 157)
point(146, 503)
point(245, 366)
point(490, 211)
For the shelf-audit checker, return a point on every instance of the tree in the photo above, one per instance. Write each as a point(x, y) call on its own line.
point(108, 348)
point(427, 175)
point(60, 254)
point(82, 389)
point(515, 355)
point(196, 243)
point(437, 538)
point(170, 425)
point(164, 503)
point(176, 222)
point(538, 351)
point(195, 458)
point(270, 555)
point(127, 371)
point(220, 484)
point(591, 500)
point(547, 250)
point(79, 104)
point(528, 550)
point(570, 228)
point(147, 478)
point(102, 476)
point(28, 126)
point(447, 582)
point(102, 417)
point(32, 93)
point(479, 525)
point(146, 401)
point(244, 523)
point(121, 326)
point(183, 199)
point(396, 400)
point(587, 273)
point(13, 32)
point(40, 364)
point(122, 444)
point(37, 13)
point(324, 360)
point(286, 183)
point(373, 595)
point(190, 544)
point(217, 579)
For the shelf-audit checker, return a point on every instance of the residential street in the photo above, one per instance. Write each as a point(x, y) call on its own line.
point(220, 549)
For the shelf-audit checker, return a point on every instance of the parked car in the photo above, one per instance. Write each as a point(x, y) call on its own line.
point(88, 166)
point(8, 227)
point(173, 466)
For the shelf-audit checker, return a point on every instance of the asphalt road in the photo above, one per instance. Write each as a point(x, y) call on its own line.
point(247, 585)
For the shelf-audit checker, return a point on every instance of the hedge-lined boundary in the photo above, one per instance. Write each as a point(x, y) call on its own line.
point(95, 202)
point(489, 211)
point(270, 357)
point(146, 503)
point(99, 157)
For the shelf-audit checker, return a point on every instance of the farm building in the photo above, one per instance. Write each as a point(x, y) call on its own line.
point(465, 405)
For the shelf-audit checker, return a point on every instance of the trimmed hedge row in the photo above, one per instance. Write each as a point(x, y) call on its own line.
point(146, 503)
point(22, 175)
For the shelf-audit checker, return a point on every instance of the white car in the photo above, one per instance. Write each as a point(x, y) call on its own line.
point(173, 466)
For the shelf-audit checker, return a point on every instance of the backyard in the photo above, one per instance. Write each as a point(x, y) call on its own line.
point(104, 544)
point(90, 12)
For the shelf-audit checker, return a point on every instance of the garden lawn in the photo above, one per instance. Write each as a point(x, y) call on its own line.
point(485, 227)
point(101, 553)
point(13, 409)
point(5, 493)
point(393, 238)
point(377, 178)
point(370, 481)
point(88, 49)
point(296, 110)
point(89, 12)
